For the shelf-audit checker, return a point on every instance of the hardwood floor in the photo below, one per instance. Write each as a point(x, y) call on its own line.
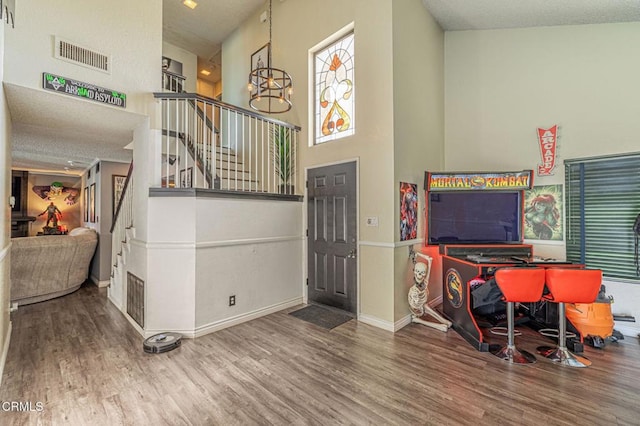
point(84, 363)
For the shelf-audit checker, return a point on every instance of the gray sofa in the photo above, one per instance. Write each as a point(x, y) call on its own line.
point(50, 266)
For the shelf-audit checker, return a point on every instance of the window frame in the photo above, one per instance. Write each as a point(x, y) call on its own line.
point(602, 201)
point(338, 36)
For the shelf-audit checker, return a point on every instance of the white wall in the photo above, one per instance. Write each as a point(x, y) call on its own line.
point(418, 123)
point(5, 216)
point(203, 250)
point(296, 29)
point(500, 85)
point(109, 27)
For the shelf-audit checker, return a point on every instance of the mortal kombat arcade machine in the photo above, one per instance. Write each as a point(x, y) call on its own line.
point(477, 221)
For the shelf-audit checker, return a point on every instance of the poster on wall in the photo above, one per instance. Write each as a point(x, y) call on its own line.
point(171, 65)
point(118, 186)
point(92, 203)
point(548, 142)
point(408, 211)
point(543, 213)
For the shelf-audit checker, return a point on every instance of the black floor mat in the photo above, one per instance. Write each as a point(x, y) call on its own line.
point(323, 317)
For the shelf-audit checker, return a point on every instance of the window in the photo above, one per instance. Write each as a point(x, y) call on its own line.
point(334, 104)
point(603, 200)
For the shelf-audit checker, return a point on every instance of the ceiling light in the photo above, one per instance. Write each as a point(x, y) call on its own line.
point(269, 88)
point(190, 4)
point(205, 72)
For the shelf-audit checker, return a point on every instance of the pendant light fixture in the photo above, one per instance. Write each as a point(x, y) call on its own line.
point(269, 88)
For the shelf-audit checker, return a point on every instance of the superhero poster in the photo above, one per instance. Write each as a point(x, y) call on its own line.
point(543, 213)
point(408, 211)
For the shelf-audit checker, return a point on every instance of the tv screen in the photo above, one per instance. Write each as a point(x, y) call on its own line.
point(474, 217)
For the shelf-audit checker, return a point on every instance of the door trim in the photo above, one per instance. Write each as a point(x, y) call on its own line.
point(305, 221)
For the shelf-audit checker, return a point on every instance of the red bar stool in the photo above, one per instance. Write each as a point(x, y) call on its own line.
point(569, 286)
point(518, 285)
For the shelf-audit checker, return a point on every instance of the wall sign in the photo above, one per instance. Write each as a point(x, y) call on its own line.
point(478, 181)
point(59, 84)
point(548, 140)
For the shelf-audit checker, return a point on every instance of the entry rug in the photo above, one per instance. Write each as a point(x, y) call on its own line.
point(323, 317)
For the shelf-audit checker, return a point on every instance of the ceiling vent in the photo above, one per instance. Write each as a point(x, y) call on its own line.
point(80, 55)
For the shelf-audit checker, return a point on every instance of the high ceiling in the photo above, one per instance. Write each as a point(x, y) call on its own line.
point(51, 120)
point(203, 29)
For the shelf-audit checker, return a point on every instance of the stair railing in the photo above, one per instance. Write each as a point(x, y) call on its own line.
point(214, 145)
point(122, 218)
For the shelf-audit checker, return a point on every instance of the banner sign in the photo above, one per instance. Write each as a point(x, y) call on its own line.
point(548, 139)
point(83, 90)
point(466, 181)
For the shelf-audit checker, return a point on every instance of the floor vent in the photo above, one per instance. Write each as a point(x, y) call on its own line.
point(80, 55)
point(135, 298)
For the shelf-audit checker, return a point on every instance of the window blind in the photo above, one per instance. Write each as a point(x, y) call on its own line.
point(603, 200)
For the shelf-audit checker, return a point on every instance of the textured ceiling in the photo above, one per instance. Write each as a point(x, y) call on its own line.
point(49, 130)
point(492, 14)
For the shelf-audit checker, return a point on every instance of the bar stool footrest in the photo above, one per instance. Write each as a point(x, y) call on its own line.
point(563, 356)
point(503, 331)
point(554, 332)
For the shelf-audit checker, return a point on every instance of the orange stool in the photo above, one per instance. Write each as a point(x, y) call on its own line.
point(569, 286)
point(518, 285)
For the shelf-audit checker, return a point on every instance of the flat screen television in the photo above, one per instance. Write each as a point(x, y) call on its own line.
point(474, 217)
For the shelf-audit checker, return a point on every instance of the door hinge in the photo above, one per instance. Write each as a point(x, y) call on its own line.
point(307, 232)
point(307, 281)
point(306, 183)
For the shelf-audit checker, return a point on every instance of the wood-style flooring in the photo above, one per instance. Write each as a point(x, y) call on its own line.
point(80, 358)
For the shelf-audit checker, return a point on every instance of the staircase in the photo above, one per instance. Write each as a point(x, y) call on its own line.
point(219, 146)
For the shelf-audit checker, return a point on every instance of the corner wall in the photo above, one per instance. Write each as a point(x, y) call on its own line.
point(501, 85)
point(418, 116)
point(5, 216)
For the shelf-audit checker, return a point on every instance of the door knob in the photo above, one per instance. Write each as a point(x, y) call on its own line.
point(352, 254)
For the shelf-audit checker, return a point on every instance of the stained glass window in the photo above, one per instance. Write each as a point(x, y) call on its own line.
point(334, 106)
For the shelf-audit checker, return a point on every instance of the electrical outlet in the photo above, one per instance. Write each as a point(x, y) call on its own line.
point(232, 300)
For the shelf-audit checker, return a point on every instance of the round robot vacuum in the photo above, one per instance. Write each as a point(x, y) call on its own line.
point(163, 342)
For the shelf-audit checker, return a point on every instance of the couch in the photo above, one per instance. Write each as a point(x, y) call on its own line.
point(49, 266)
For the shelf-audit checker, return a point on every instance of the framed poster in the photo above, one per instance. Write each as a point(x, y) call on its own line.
point(85, 204)
point(186, 177)
point(408, 211)
point(261, 58)
point(543, 214)
point(117, 182)
point(92, 203)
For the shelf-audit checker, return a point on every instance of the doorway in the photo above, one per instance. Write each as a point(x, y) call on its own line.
point(332, 240)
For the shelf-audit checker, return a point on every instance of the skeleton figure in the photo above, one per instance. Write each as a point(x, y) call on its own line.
point(418, 294)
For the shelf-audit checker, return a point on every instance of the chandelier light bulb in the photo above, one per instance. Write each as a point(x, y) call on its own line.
point(250, 87)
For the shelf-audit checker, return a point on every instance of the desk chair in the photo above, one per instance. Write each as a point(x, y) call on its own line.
point(518, 285)
point(569, 286)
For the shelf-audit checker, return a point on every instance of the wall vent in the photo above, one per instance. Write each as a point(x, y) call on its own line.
point(72, 52)
point(135, 298)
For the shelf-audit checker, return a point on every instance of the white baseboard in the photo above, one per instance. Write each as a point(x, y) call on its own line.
point(99, 283)
point(628, 329)
point(5, 352)
point(403, 322)
point(377, 322)
point(239, 319)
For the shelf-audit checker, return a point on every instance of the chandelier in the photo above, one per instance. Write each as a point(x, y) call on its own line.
point(269, 88)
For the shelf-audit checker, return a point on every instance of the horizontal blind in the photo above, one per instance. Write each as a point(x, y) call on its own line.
point(603, 200)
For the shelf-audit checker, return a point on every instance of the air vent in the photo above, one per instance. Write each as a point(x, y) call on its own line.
point(135, 298)
point(80, 55)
